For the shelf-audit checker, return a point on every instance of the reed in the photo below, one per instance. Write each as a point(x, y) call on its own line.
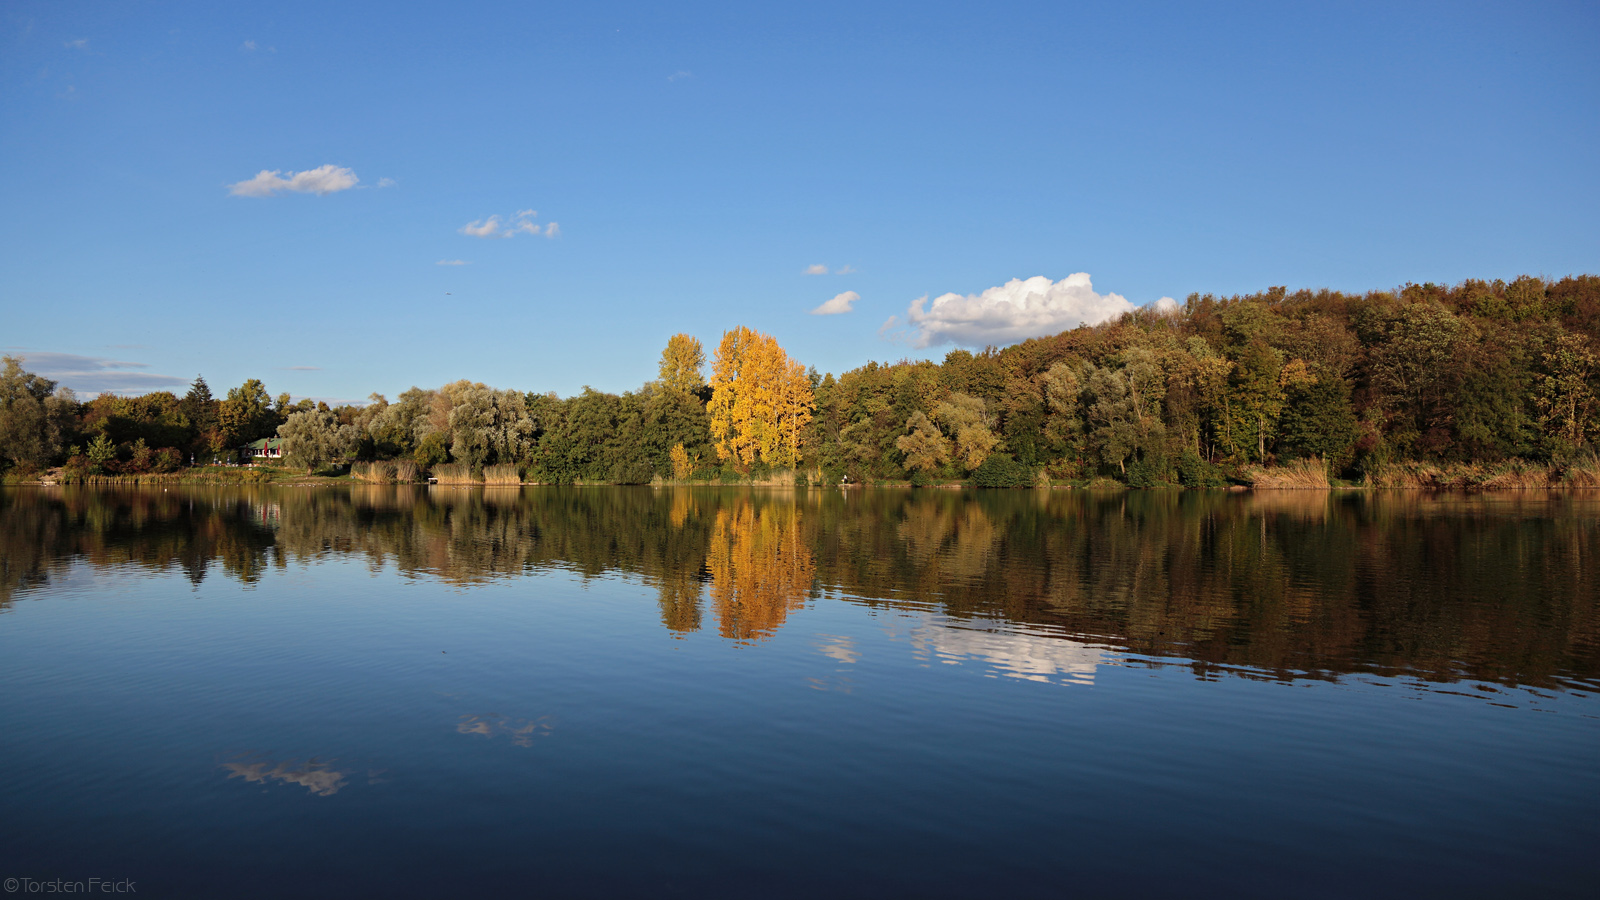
point(380, 472)
point(1301, 474)
point(405, 471)
point(454, 473)
point(1584, 472)
point(504, 474)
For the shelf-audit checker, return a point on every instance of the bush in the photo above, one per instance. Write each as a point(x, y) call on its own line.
point(1001, 471)
point(922, 479)
point(1194, 472)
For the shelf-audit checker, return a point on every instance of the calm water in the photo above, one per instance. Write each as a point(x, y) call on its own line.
point(406, 692)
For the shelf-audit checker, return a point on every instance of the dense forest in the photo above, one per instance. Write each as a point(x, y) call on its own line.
point(1497, 377)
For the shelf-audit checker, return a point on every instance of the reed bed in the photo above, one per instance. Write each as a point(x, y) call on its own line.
point(1301, 474)
point(504, 474)
point(454, 473)
point(1582, 472)
point(1511, 474)
point(380, 472)
point(406, 471)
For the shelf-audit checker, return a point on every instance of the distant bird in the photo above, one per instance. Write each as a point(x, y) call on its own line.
point(447, 293)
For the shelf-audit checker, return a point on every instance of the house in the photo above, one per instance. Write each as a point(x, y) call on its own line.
point(266, 448)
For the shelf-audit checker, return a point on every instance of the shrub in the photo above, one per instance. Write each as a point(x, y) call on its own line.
point(999, 470)
point(1195, 472)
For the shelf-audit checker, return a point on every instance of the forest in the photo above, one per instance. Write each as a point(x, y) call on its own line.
point(1483, 382)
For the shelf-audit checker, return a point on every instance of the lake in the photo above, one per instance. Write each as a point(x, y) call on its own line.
point(432, 692)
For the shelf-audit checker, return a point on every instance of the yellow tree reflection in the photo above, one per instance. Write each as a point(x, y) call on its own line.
point(761, 568)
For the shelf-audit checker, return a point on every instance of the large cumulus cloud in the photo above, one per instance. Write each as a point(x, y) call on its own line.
point(1019, 309)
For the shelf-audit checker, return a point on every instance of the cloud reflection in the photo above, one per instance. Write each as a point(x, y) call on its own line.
point(523, 732)
point(314, 776)
point(1010, 653)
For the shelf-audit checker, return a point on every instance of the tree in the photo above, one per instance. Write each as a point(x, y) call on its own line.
point(1564, 395)
point(681, 364)
point(925, 447)
point(33, 415)
point(967, 418)
point(314, 437)
point(1318, 421)
point(761, 401)
point(247, 414)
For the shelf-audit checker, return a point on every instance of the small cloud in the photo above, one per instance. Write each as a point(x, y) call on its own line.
point(845, 270)
point(482, 228)
point(249, 45)
point(321, 181)
point(1011, 312)
point(1166, 306)
point(818, 269)
point(840, 304)
point(387, 182)
point(79, 44)
point(680, 74)
point(521, 223)
point(452, 262)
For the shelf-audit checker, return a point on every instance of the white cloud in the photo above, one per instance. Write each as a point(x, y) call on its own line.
point(91, 375)
point(680, 74)
point(483, 228)
point(1013, 311)
point(839, 304)
point(249, 45)
point(845, 270)
point(321, 181)
point(79, 44)
point(452, 262)
point(1166, 306)
point(521, 223)
point(387, 182)
point(818, 269)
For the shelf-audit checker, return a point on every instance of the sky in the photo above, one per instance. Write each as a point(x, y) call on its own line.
point(341, 199)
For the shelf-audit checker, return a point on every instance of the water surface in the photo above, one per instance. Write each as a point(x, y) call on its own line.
point(592, 692)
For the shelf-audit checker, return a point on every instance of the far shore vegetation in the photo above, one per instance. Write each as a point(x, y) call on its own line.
point(1483, 384)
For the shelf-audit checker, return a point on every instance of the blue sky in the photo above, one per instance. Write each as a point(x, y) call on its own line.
point(698, 159)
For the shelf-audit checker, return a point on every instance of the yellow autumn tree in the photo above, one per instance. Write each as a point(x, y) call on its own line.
point(760, 400)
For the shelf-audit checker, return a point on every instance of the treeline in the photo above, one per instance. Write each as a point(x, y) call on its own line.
point(1351, 385)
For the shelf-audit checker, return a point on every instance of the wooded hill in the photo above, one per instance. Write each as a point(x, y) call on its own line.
point(1485, 374)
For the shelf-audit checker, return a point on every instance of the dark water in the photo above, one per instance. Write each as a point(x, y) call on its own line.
point(404, 692)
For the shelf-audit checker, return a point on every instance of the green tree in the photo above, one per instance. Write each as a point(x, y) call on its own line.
point(314, 437)
point(924, 446)
point(246, 414)
point(1318, 421)
point(34, 416)
point(1565, 394)
point(967, 418)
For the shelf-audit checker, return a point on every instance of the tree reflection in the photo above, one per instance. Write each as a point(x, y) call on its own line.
point(1498, 587)
point(761, 567)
